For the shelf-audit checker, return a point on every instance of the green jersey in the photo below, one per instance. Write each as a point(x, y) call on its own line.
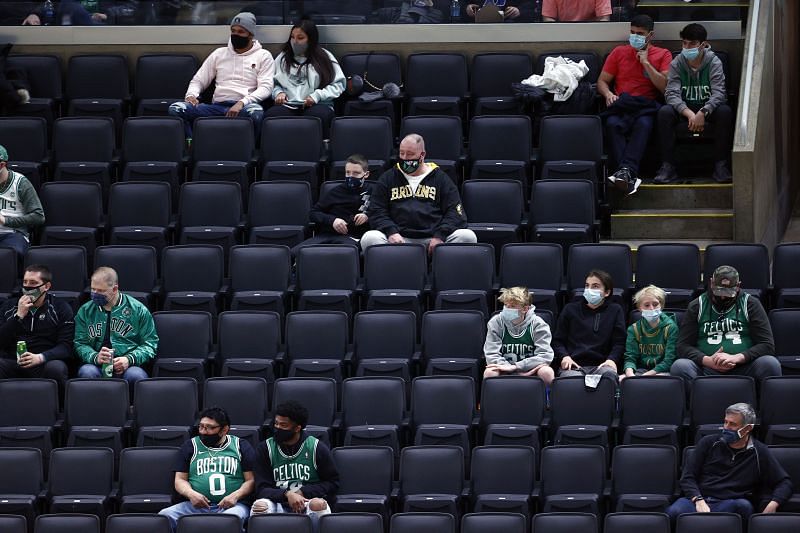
point(729, 330)
point(517, 347)
point(292, 472)
point(216, 472)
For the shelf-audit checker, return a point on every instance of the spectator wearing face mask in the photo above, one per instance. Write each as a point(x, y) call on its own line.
point(308, 77)
point(243, 73)
point(650, 345)
point(590, 335)
point(340, 214)
point(725, 332)
point(518, 341)
point(416, 202)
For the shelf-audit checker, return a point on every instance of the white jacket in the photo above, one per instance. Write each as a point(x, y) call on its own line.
point(246, 77)
point(560, 77)
point(299, 82)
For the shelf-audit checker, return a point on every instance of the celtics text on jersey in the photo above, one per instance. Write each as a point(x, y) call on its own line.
point(293, 471)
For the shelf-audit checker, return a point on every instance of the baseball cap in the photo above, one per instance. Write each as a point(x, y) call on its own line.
point(3, 153)
point(724, 281)
point(246, 20)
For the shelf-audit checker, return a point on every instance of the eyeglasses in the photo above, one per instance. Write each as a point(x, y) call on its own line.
point(208, 427)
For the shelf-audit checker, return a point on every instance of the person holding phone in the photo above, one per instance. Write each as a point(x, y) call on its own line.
point(44, 322)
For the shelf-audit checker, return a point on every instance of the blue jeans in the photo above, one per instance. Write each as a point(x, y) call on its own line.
point(16, 241)
point(131, 375)
point(739, 506)
point(174, 512)
point(188, 112)
point(627, 144)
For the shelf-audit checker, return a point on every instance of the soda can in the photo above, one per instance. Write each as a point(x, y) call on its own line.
point(22, 347)
point(107, 369)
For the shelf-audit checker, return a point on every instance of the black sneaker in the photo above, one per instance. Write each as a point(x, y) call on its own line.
point(621, 178)
point(666, 174)
point(722, 173)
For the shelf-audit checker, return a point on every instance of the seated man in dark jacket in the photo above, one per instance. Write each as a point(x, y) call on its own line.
point(46, 325)
point(725, 470)
point(416, 202)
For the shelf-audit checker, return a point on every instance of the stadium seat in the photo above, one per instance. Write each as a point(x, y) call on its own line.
point(431, 479)
point(709, 523)
point(139, 214)
point(136, 267)
point(45, 77)
point(632, 491)
point(34, 420)
point(779, 422)
point(491, 77)
point(351, 523)
point(443, 141)
point(365, 479)
point(559, 158)
point(506, 522)
point(785, 257)
point(443, 411)
point(491, 225)
point(652, 410)
point(292, 149)
point(436, 83)
point(259, 277)
point(422, 523)
point(278, 212)
point(502, 479)
point(394, 277)
point(376, 69)
point(751, 260)
point(245, 401)
point(210, 213)
point(188, 288)
point(80, 480)
point(563, 212)
point(636, 523)
point(590, 58)
point(318, 395)
point(463, 277)
point(384, 343)
point(500, 425)
point(452, 343)
point(69, 226)
point(580, 415)
point(160, 80)
point(500, 147)
point(210, 523)
point(164, 410)
point(14, 523)
point(146, 479)
point(223, 149)
point(371, 137)
point(537, 266)
point(83, 150)
point(93, 423)
point(185, 344)
point(249, 344)
point(564, 522)
point(373, 412)
point(572, 479)
point(785, 325)
point(773, 523)
point(67, 523)
point(98, 85)
point(9, 276)
point(333, 287)
point(711, 395)
point(267, 523)
point(135, 523)
point(25, 138)
point(316, 344)
point(674, 267)
point(21, 484)
point(789, 459)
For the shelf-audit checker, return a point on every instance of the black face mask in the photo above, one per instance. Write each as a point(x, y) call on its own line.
point(722, 303)
point(210, 441)
point(283, 435)
point(239, 42)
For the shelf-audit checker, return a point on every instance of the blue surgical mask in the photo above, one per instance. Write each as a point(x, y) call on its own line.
point(637, 41)
point(100, 299)
point(651, 314)
point(690, 53)
point(593, 296)
point(729, 436)
point(409, 166)
point(509, 314)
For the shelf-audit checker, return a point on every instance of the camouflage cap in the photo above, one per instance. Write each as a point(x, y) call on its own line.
point(3, 153)
point(725, 281)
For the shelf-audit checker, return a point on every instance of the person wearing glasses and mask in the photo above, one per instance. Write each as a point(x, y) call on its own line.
point(725, 332)
point(46, 325)
point(727, 468)
point(114, 333)
point(213, 471)
point(295, 471)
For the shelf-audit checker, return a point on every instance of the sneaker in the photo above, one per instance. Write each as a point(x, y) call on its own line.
point(633, 185)
point(666, 174)
point(621, 178)
point(721, 172)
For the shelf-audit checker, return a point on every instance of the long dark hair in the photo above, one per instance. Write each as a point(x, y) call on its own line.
point(315, 55)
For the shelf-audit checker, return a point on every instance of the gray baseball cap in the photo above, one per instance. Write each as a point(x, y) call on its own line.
point(725, 281)
point(3, 153)
point(246, 20)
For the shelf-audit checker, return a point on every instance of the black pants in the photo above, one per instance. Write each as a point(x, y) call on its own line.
point(719, 126)
point(55, 369)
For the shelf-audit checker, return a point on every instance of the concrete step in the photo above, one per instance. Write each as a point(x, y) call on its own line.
point(677, 196)
point(667, 224)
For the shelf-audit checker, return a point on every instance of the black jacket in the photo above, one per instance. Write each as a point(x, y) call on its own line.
point(434, 210)
point(716, 470)
point(48, 331)
point(342, 202)
point(590, 336)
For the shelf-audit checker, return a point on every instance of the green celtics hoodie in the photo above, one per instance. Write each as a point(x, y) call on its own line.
point(651, 348)
point(133, 333)
point(695, 89)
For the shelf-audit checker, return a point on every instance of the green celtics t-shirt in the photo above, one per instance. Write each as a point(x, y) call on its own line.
point(216, 472)
point(517, 347)
point(293, 471)
point(729, 330)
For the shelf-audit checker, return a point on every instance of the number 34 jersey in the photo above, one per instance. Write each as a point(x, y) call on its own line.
point(729, 330)
point(216, 472)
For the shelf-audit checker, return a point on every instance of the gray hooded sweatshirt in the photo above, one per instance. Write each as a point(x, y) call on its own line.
point(695, 89)
point(498, 354)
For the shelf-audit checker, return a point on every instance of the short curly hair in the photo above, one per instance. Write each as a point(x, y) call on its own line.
point(294, 411)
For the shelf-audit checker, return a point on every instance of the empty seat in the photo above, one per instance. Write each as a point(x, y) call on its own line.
point(67, 523)
point(9, 277)
point(351, 523)
point(365, 479)
point(45, 78)
point(394, 276)
point(278, 212)
point(83, 149)
point(422, 523)
point(249, 343)
point(779, 422)
point(581, 415)
point(22, 482)
point(164, 410)
point(330, 288)
point(321, 353)
point(500, 147)
point(789, 459)
point(188, 288)
point(210, 523)
point(185, 344)
point(490, 224)
point(139, 214)
point(223, 150)
point(652, 410)
point(146, 479)
point(259, 277)
point(80, 480)
point(491, 77)
point(134, 523)
point(510, 492)
point(560, 158)
point(564, 522)
point(90, 422)
point(787, 289)
point(431, 479)
point(537, 266)
point(67, 225)
point(442, 411)
point(25, 138)
point(506, 522)
point(32, 423)
point(97, 85)
point(384, 343)
point(452, 342)
point(291, 149)
point(773, 523)
point(210, 212)
point(160, 80)
point(266, 523)
point(709, 523)
point(637, 522)
point(632, 491)
point(463, 276)
point(373, 410)
point(573, 478)
point(14, 523)
point(369, 136)
point(785, 325)
point(563, 212)
point(500, 425)
point(436, 83)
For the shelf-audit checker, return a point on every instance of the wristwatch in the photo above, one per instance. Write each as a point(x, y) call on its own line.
point(705, 111)
point(697, 499)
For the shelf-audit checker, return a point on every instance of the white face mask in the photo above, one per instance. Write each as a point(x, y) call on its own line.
point(593, 296)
